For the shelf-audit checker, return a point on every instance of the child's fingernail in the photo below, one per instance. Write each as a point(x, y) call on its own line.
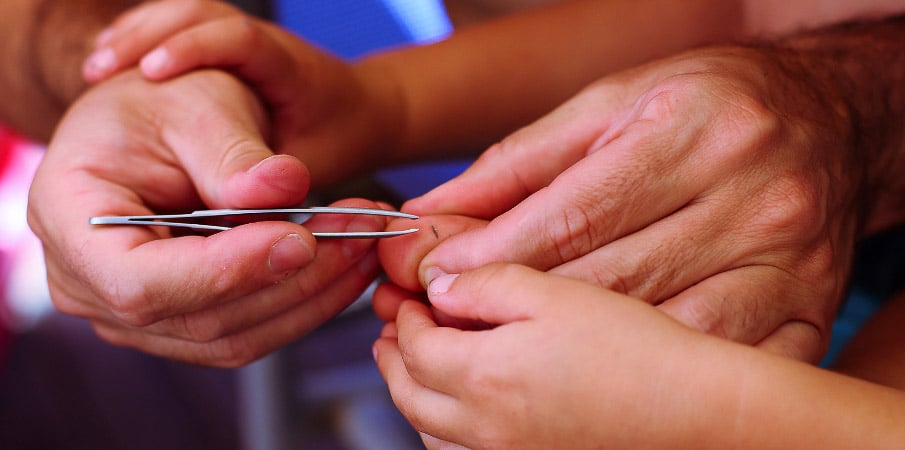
point(155, 61)
point(101, 62)
point(441, 284)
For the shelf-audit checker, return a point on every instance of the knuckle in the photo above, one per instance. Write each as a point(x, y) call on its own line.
point(500, 154)
point(131, 306)
point(573, 231)
point(609, 278)
point(231, 352)
point(801, 341)
point(111, 335)
point(788, 207)
point(203, 327)
point(704, 316)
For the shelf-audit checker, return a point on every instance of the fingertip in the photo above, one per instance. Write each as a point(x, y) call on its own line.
point(277, 180)
point(99, 65)
point(154, 64)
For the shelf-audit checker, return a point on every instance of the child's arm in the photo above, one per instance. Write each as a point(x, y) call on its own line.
point(452, 97)
point(570, 365)
point(448, 98)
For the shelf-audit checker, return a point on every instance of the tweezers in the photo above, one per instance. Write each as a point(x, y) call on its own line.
point(296, 215)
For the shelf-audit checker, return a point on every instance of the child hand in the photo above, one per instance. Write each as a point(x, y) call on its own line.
point(141, 29)
point(568, 364)
point(324, 111)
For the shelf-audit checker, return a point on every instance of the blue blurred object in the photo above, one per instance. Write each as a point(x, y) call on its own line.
point(353, 28)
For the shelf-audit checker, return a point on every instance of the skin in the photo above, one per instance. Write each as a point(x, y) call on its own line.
point(459, 369)
point(344, 117)
point(222, 300)
point(688, 182)
point(44, 43)
point(595, 368)
point(405, 100)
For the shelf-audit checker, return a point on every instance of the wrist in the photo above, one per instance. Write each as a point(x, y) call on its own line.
point(387, 112)
point(862, 66)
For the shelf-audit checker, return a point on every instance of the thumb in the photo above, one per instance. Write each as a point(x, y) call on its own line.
point(273, 180)
point(222, 148)
point(496, 293)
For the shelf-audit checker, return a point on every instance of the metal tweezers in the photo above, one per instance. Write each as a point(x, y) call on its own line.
point(296, 215)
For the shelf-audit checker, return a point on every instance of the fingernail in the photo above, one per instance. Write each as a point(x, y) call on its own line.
point(101, 62)
point(154, 62)
point(262, 163)
point(374, 351)
point(289, 254)
point(441, 284)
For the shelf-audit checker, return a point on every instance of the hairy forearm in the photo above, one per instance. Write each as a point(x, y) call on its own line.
point(862, 66)
point(44, 44)
point(482, 83)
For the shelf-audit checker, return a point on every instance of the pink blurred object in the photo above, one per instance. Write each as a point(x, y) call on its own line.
point(22, 280)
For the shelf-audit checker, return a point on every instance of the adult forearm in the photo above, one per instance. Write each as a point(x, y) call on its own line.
point(44, 44)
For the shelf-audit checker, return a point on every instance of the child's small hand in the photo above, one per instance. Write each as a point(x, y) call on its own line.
point(568, 365)
point(141, 29)
point(323, 110)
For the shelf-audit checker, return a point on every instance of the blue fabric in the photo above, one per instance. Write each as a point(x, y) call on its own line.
point(859, 306)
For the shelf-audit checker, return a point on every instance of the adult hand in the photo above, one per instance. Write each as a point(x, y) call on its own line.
point(133, 147)
point(560, 369)
point(720, 185)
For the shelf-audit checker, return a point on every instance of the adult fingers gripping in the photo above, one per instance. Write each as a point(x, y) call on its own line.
point(616, 190)
point(353, 260)
point(144, 27)
point(400, 256)
point(161, 278)
point(759, 305)
point(257, 338)
point(239, 328)
point(248, 343)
